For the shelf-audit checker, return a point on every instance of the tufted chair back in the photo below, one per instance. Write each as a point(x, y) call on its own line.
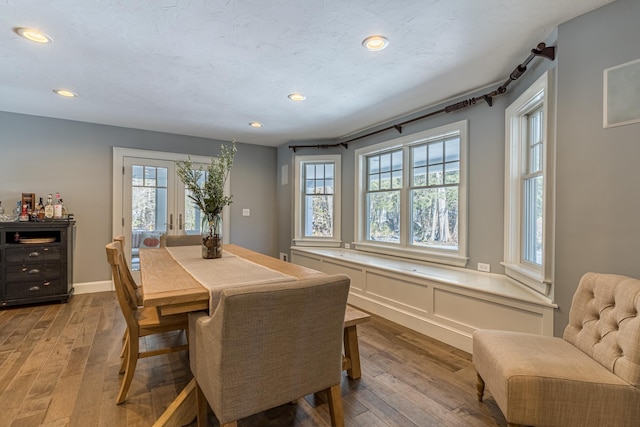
point(604, 323)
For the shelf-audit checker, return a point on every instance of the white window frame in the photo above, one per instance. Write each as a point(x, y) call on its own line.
point(299, 238)
point(539, 278)
point(459, 257)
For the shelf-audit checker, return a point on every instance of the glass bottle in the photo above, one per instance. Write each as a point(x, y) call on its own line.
point(40, 210)
point(57, 208)
point(1, 209)
point(48, 208)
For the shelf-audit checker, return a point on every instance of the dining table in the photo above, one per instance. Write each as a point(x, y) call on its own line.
point(178, 280)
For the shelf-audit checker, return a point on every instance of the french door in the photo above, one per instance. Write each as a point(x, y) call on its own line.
point(150, 200)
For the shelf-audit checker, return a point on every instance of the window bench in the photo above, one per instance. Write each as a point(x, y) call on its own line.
point(445, 303)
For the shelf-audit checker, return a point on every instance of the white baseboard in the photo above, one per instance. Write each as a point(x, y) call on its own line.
point(91, 287)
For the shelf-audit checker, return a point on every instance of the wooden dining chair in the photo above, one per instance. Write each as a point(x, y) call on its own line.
point(267, 345)
point(141, 321)
point(137, 289)
point(182, 240)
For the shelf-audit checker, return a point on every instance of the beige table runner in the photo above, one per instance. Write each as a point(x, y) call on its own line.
point(228, 271)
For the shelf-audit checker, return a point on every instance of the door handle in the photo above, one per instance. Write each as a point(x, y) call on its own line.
point(170, 221)
point(179, 221)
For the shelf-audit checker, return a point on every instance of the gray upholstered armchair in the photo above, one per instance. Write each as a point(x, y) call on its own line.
point(590, 377)
point(267, 345)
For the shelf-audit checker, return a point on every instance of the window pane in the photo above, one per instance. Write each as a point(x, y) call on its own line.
point(149, 176)
point(374, 182)
point(434, 217)
point(162, 177)
point(452, 173)
point(436, 152)
point(452, 150)
point(419, 155)
point(419, 176)
point(310, 186)
point(435, 175)
point(374, 164)
point(396, 160)
point(385, 162)
point(396, 179)
point(318, 216)
point(384, 216)
point(385, 181)
point(532, 217)
point(328, 186)
point(310, 171)
point(319, 171)
point(137, 175)
point(328, 170)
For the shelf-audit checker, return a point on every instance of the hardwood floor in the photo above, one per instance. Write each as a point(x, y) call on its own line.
point(59, 367)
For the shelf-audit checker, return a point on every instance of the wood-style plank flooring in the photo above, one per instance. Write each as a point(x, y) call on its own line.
point(59, 367)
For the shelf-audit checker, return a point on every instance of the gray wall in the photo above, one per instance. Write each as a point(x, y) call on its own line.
point(598, 211)
point(598, 177)
point(42, 155)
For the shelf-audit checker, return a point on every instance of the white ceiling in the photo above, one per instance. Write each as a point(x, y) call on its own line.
point(209, 67)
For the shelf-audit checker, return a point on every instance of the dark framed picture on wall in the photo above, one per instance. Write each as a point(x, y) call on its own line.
point(622, 94)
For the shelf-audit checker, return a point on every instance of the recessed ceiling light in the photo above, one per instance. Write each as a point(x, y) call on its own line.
point(255, 124)
point(65, 93)
point(33, 35)
point(375, 43)
point(297, 96)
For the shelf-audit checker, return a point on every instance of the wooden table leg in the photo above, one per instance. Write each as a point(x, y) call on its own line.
point(351, 351)
point(182, 410)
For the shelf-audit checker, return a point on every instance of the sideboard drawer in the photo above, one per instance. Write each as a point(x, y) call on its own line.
point(32, 253)
point(32, 272)
point(34, 289)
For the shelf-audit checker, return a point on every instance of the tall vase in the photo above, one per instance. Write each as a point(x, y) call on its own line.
point(212, 236)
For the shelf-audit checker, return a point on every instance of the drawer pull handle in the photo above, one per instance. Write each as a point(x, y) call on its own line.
point(34, 254)
point(46, 283)
point(34, 271)
point(34, 288)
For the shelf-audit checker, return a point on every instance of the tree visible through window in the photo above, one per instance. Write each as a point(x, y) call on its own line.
point(317, 200)
point(319, 191)
point(413, 196)
point(434, 193)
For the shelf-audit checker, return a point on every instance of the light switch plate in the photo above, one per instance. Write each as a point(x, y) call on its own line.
point(246, 212)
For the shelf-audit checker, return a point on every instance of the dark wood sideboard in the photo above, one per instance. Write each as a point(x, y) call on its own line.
point(36, 262)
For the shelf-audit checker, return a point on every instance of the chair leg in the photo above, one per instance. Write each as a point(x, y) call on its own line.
point(479, 387)
point(133, 348)
point(202, 406)
point(335, 406)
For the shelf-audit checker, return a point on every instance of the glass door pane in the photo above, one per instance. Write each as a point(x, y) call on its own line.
point(148, 207)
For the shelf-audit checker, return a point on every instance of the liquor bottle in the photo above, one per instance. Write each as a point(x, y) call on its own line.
point(64, 210)
point(40, 210)
point(24, 216)
point(1, 209)
point(57, 208)
point(18, 209)
point(48, 208)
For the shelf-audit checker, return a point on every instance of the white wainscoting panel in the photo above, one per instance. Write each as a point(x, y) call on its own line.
point(446, 303)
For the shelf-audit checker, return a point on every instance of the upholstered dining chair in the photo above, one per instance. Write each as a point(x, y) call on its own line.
point(182, 240)
point(590, 377)
point(267, 345)
point(141, 321)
